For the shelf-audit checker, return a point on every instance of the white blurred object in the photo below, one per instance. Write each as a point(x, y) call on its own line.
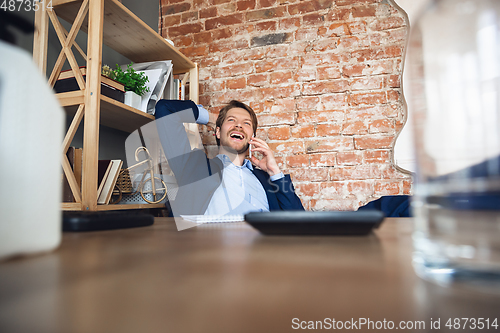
point(31, 133)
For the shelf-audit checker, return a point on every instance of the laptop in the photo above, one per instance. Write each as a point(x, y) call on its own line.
point(318, 223)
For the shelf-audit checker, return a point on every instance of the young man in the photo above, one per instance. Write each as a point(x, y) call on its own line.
point(229, 183)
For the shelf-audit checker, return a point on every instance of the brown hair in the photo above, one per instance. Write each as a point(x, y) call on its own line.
point(231, 105)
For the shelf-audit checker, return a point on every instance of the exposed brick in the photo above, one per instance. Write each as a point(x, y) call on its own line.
point(283, 105)
point(332, 190)
point(349, 158)
point(308, 190)
point(407, 187)
point(334, 101)
point(301, 8)
point(313, 19)
point(382, 126)
point(232, 70)
point(382, 187)
point(277, 51)
point(309, 174)
point(222, 21)
point(357, 27)
point(176, 8)
point(266, 26)
point(287, 118)
point(281, 77)
point(306, 74)
point(170, 20)
point(226, 45)
point(388, 23)
point(367, 83)
point(307, 103)
point(236, 83)
point(222, 33)
point(367, 98)
point(323, 160)
point(264, 14)
point(331, 204)
point(183, 41)
point(297, 161)
point(245, 4)
point(373, 142)
point(267, 3)
point(203, 37)
point(356, 187)
point(288, 148)
point(355, 128)
point(364, 11)
point(275, 64)
point(189, 28)
point(325, 87)
point(269, 39)
point(279, 133)
point(358, 172)
point(324, 59)
point(194, 51)
point(336, 143)
point(303, 131)
point(319, 116)
point(335, 29)
point(328, 129)
point(208, 12)
point(376, 156)
point(189, 16)
point(226, 9)
point(220, 2)
point(306, 34)
point(258, 80)
point(289, 23)
point(325, 45)
point(275, 92)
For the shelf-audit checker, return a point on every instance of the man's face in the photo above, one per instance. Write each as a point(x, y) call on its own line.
point(236, 130)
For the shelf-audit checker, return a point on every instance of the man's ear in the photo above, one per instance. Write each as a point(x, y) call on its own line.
point(217, 132)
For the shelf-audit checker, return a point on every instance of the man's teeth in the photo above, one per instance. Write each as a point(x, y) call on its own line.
point(238, 136)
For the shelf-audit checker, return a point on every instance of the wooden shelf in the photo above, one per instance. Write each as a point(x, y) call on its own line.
point(125, 33)
point(73, 206)
point(111, 23)
point(113, 114)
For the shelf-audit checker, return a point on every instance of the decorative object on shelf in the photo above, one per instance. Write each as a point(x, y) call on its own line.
point(132, 99)
point(131, 79)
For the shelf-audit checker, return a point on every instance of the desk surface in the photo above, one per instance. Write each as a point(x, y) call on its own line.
point(224, 278)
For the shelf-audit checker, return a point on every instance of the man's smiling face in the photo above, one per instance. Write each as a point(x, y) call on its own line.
point(236, 130)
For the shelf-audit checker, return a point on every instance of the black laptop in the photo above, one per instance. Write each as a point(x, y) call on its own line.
point(315, 223)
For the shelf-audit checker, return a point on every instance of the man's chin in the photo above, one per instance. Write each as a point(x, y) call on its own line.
point(238, 149)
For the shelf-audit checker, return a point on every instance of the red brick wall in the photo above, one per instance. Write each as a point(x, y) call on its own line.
point(324, 77)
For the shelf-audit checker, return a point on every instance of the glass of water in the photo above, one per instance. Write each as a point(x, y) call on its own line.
point(454, 67)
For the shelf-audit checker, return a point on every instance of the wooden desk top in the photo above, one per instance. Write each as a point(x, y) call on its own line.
point(224, 278)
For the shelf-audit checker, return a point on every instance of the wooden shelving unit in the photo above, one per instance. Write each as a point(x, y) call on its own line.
point(105, 22)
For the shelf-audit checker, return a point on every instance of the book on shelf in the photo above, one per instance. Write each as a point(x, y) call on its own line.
point(75, 161)
point(108, 183)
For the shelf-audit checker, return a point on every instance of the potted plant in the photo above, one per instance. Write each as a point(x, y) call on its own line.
point(134, 83)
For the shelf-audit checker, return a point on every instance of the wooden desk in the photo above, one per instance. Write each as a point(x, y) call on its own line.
point(224, 278)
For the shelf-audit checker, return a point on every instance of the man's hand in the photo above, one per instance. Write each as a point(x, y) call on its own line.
point(268, 162)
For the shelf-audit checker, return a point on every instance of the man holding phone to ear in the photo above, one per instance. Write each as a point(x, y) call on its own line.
point(241, 185)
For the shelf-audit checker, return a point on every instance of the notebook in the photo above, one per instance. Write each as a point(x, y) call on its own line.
point(213, 218)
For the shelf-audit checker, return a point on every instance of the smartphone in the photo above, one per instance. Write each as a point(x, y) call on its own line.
point(250, 148)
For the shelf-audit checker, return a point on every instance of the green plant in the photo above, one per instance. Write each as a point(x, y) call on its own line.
point(132, 80)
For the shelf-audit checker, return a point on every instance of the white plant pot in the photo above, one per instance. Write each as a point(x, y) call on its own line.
point(132, 99)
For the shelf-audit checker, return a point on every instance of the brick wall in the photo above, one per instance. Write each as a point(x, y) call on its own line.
point(324, 77)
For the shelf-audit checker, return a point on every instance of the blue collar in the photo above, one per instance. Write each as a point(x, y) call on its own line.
point(226, 162)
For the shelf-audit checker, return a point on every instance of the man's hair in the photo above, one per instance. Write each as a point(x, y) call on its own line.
point(231, 105)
